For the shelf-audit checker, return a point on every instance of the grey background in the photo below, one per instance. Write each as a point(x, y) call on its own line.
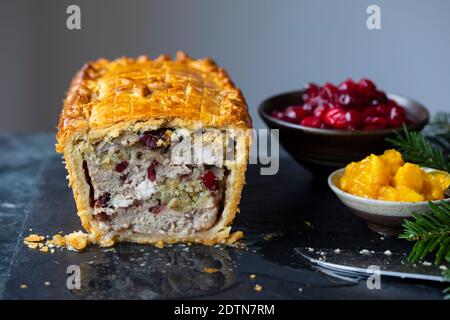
point(267, 46)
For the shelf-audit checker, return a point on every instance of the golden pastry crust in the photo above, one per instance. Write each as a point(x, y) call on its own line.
point(107, 98)
point(105, 93)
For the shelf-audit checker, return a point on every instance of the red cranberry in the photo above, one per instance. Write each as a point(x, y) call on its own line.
point(342, 119)
point(320, 110)
point(158, 209)
point(348, 87)
point(151, 171)
point(379, 98)
point(311, 121)
point(374, 123)
point(209, 180)
point(121, 166)
point(150, 138)
point(348, 106)
point(348, 101)
point(311, 90)
point(354, 119)
point(124, 177)
point(336, 118)
point(383, 110)
point(391, 103)
point(295, 113)
point(102, 216)
point(307, 108)
point(369, 112)
point(396, 116)
point(280, 115)
point(103, 200)
point(314, 102)
point(328, 91)
point(366, 88)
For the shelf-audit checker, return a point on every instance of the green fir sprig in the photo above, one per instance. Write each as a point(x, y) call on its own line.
point(417, 149)
point(431, 233)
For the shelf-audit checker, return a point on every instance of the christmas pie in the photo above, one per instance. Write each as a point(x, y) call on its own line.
point(156, 150)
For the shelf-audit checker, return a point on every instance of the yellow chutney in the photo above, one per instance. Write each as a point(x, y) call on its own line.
point(388, 177)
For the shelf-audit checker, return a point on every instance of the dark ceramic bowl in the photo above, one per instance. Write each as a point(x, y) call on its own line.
point(328, 148)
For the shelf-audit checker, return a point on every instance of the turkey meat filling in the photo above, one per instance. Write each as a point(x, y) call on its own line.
point(137, 186)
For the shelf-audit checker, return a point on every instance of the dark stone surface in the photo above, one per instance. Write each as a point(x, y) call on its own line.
point(20, 158)
point(273, 214)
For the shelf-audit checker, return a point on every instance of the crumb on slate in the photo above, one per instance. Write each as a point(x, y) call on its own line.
point(211, 270)
point(159, 244)
point(258, 287)
point(73, 241)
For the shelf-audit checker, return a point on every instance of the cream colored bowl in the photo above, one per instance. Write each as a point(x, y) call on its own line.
point(384, 217)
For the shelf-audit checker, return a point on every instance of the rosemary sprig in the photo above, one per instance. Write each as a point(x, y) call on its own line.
point(417, 149)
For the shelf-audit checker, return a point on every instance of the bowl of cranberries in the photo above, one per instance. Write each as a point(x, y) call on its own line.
point(333, 125)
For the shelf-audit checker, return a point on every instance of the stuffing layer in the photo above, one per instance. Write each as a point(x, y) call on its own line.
point(144, 183)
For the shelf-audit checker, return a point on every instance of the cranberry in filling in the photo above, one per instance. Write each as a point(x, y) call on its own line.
point(150, 139)
point(151, 171)
point(102, 201)
point(121, 166)
point(145, 192)
point(102, 217)
point(209, 180)
point(158, 209)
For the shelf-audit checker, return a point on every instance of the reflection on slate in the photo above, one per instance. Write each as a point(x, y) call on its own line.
point(278, 214)
point(171, 272)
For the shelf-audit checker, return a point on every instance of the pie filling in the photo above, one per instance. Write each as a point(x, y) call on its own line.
point(144, 183)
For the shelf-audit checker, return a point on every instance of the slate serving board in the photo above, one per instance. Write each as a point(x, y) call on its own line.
point(278, 214)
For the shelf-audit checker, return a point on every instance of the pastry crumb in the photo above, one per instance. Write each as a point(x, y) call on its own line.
point(75, 240)
point(258, 287)
point(31, 245)
point(159, 244)
point(253, 276)
point(34, 238)
point(23, 286)
point(235, 236)
point(211, 270)
point(47, 283)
